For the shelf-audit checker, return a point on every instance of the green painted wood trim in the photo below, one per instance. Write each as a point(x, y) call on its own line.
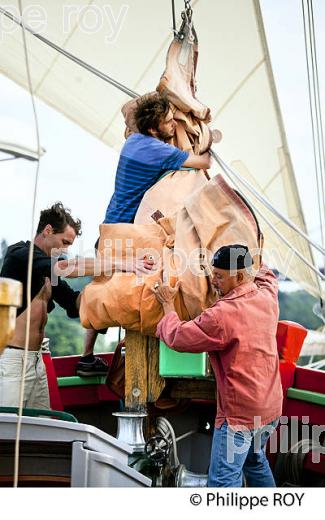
point(306, 395)
point(37, 412)
point(80, 381)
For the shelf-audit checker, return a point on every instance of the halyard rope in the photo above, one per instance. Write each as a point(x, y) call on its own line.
point(30, 256)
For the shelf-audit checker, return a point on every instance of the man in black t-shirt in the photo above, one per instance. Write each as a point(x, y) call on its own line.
point(56, 231)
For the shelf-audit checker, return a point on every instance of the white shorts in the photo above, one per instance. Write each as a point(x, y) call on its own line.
point(36, 392)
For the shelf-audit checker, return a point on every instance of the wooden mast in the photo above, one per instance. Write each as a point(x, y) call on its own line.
point(143, 384)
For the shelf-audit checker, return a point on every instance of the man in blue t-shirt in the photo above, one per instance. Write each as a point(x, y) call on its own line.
point(145, 156)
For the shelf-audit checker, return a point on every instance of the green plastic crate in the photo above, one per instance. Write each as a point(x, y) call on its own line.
point(181, 364)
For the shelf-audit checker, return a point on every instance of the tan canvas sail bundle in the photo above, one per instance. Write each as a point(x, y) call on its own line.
point(213, 216)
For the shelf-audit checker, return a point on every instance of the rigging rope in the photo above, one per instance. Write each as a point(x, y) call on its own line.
point(9, 159)
point(71, 57)
point(174, 17)
point(231, 174)
point(315, 109)
point(30, 258)
point(265, 202)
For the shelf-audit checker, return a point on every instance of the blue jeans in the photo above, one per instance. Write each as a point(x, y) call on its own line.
point(237, 454)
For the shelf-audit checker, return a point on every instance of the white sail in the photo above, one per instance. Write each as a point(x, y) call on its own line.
point(128, 42)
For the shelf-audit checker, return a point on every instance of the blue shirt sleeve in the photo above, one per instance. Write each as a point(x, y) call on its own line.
point(153, 153)
point(156, 153)
point(175, 160)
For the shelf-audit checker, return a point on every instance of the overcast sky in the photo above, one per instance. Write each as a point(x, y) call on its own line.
point(74, 158)
point(284, 28)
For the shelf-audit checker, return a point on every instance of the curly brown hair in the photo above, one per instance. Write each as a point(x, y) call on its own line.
point(59, 218)
point(151, 110)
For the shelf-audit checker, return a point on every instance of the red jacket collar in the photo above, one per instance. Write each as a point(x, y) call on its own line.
point(240, 290)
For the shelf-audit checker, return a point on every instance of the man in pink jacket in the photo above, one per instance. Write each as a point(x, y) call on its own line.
point(239, 333)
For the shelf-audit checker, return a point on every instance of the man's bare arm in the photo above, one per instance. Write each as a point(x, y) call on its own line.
point(203, 161)
point(77, 267)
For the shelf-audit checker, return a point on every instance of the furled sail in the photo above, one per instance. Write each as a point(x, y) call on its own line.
point(128, 42)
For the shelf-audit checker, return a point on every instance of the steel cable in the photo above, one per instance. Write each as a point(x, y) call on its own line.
point(71, 57)
point(232, 175)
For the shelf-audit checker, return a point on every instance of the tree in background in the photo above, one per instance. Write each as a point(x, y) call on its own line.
point(67, 335)
point(298, 306)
